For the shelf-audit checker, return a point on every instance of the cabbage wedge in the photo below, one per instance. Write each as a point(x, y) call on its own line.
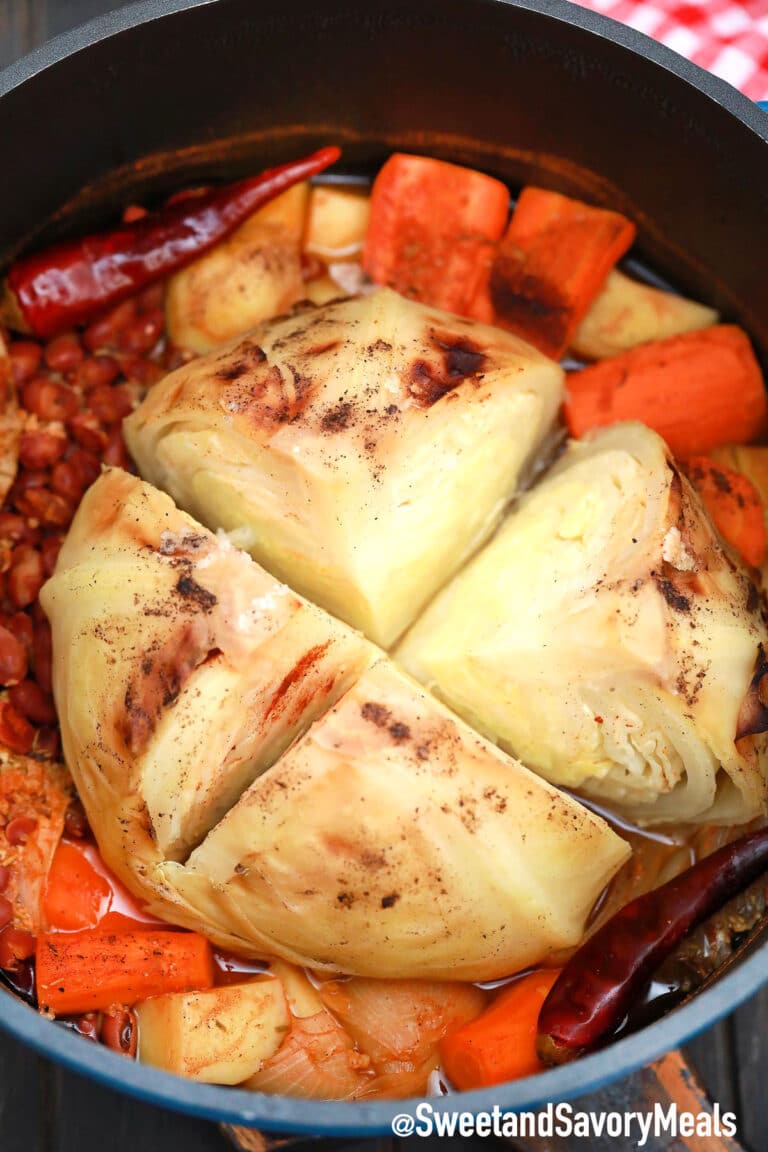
point(392, 831)
point(182, 670)
point(605, 638)
point(361, 450)
point(258, 772)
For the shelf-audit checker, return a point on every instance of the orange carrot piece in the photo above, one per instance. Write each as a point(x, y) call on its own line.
point(76, 895)
point(551, 265)
point(432, 230)
point(89, 971)
point(500, 1045)
point(698, 390)
point(734, 505)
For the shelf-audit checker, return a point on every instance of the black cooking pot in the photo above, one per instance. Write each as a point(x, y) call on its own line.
point(168, 93)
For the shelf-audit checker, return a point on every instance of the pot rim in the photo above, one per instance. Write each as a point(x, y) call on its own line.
point(568, 1082)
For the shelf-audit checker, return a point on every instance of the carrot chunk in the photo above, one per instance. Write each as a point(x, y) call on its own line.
point(91, 970)
point(551, 265)
point(76, 895)
point(432, 230)
point(734, 504)
point(698, 390)
point(500, 1045)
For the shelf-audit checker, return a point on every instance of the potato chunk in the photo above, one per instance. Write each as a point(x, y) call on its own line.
point(221, 1036)
point(626, 313)
point(336, 222)
point(251, 276)
point(367, 447)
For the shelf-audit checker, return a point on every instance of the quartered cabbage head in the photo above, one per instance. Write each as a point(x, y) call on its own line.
point(360, 451)
point(259, 772)
point(605, 638)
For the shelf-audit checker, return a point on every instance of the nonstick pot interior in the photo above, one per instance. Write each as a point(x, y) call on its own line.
point(166, 93)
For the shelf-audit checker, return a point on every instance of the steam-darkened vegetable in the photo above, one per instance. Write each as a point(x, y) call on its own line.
point(360, 451)
point(605, 638)
point(602, 979)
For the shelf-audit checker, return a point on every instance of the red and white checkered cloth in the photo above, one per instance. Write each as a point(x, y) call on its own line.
point(727, 37)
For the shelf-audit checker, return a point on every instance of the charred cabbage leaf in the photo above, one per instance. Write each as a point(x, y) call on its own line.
point(363, 449)
point(256, 771)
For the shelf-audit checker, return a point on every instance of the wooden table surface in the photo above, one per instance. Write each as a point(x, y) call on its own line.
point(46, 1109)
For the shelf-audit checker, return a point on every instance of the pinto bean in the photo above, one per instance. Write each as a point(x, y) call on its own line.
point(87, 465)
point(48, 399)
point(76, 822)
point(14, 528)
point(16, 946)
point(25, 358)
point(19, 829)
point(6, 912)
point(119, 1031)
point(20, 625)
point(68, 480)
point(26, 575)
point(13, 658)
point(141, 335)
point(47, 743)
point(48, 507)
point(64, 352)
point(28, 698)
point(104, 332)
point(49, 552)
point(97, 370)
point(85, 430)
point(110, 403)
point(116, 454)
point(42, 655)
point(39, 448)
point(15, 731)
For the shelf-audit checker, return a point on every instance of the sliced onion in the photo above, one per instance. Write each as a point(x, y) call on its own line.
point(317, 1060)
point(398, 1023)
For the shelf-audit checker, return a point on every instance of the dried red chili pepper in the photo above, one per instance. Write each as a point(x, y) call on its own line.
point(72, 282)
point(603, 978)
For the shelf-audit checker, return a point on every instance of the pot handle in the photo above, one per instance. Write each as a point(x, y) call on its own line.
point(667, 1087)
